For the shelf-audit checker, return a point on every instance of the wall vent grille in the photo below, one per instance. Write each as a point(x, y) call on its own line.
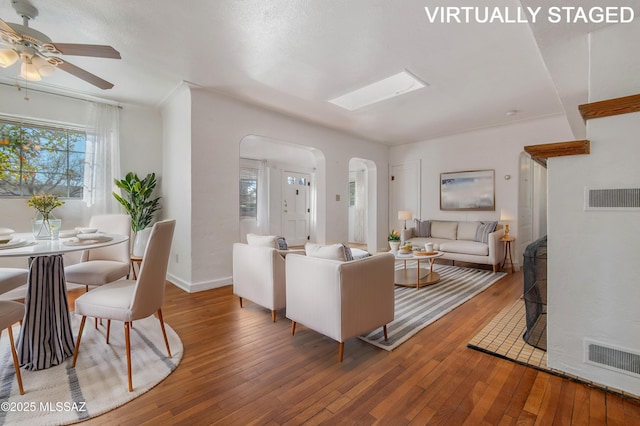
point(618, 359)
point(624, 199)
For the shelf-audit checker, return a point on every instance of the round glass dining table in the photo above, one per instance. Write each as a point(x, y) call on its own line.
point(46, 338)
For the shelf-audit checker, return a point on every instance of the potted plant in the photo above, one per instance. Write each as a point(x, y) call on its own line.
point(140, 205)
point(394, 240)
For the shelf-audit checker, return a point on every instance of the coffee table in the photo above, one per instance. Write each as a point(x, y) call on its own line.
point(416, 276)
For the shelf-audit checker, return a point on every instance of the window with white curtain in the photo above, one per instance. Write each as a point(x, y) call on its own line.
point(39, 157)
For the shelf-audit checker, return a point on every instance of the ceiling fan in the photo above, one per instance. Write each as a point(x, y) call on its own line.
point(34, 49)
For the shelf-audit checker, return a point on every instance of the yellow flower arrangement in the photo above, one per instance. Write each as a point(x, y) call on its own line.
point(394, 235)
point(44, 204)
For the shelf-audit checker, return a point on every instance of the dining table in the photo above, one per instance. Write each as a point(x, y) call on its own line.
point(46, 338)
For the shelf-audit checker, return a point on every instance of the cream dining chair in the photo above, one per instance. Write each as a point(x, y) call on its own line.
point(129, 300)
point(11, 313)
point(107, 264)
point(11, 278)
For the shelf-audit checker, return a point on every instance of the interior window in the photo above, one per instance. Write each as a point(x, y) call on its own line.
point(248, 194)
point(37, 159)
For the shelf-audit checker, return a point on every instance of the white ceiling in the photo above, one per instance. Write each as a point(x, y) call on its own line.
point(294, 55)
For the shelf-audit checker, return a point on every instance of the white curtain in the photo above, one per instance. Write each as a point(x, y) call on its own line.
point(263, 198)
point(102, 160)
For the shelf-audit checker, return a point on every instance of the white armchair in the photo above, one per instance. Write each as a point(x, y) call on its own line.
point(258, 275)
point(340, 299)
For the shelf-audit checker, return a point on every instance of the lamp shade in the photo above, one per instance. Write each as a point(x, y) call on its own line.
point(404, 215)
point(29, 72)
point(8, 57)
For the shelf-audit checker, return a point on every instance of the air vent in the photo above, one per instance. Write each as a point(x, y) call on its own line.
point(616, 199)
point(618, 359)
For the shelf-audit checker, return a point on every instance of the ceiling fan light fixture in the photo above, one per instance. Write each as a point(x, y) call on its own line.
point(29, 72)
point(45, 69)
point(8, 57)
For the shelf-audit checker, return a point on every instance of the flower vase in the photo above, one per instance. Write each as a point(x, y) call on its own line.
point(394, 245)
point(45, 227)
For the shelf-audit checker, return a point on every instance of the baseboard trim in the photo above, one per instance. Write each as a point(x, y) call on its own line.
point(201, 286)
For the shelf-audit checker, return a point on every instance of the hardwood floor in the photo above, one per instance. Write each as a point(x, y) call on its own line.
point(240, 368)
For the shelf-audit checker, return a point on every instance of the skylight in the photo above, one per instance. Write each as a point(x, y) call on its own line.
point(390, 87)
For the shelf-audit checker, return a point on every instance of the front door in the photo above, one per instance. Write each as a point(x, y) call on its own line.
point(295, 207)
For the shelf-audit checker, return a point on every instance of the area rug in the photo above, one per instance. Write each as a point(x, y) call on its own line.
point(98, 383)
point(417, 308)
point(502, 337)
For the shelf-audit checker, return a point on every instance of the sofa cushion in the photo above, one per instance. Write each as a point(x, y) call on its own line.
point(333, 251)
point(466, 247)
point(262, 240)
point(467, 230)
point(422, 228)
point(444, 229)
point(483, 231)
point(359, 253)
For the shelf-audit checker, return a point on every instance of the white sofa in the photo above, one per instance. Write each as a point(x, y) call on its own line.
point(460, 240)
point(340, 299)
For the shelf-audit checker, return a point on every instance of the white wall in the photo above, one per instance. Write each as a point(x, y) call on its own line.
point(218, 124)
point(593, 266)
point(140, 149)
point(177, 174)
point(496, 148)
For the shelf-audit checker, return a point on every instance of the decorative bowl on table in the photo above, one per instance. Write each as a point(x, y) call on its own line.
point(404, 251)
point(6, 235)
point(81, 230)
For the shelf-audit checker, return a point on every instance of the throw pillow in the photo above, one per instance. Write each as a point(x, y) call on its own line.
point(262, 240)
point(423, 228)
point(483, 231)
point(282, 243)
point(347, 252)
point(334, 251)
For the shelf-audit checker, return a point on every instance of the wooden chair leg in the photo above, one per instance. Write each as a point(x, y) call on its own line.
point(164, 333)
point(384, 328)
point(108, 330)
point(240, 302)
point(128, 346)
point(75, 352)
point(340, 351)
point(16, 364)
point(293, 328)
point(273, 315)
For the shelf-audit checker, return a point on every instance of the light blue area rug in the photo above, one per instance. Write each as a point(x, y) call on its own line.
point(63, 395)
point(417, 308)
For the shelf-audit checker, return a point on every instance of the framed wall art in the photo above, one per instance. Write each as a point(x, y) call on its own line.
point(470, 190)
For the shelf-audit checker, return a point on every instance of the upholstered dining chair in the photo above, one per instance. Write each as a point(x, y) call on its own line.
point(11, 278)
point(129, 300)
point(107, 264)
point(11, 313)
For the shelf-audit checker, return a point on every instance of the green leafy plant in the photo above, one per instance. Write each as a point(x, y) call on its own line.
point(394, 235)
point(137, 201)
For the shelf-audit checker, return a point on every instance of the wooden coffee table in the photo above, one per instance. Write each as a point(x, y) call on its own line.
point(416, 276)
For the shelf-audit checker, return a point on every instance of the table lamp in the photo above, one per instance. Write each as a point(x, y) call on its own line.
point(505, 219)
point(404, 215)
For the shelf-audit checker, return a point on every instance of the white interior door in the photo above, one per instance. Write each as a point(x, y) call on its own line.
point(295, 207)
point(404, 192)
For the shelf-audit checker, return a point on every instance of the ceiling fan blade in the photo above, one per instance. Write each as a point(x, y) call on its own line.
point(95, 50)
point(84, 75)
point(4, 27)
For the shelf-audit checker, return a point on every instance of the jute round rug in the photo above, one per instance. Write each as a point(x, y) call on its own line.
point(98, 383)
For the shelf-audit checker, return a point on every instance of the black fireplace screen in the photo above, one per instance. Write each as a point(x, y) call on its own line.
point(535, 293)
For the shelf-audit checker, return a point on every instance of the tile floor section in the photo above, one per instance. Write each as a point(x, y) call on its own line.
point(502, 337)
